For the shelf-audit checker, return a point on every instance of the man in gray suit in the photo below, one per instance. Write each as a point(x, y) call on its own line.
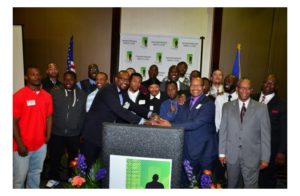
point(244, 138)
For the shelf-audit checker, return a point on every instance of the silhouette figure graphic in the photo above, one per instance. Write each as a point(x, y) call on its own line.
point(154, 184)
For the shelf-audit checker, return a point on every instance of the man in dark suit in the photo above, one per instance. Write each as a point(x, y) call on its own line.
point(108, 105)
point(133, 91)
point(278, 118)
point(197, 117)
point(51, 81)
point(89, 85)
point(244, 138)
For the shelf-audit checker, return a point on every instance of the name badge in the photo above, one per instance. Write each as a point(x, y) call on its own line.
point(31, 103)
point(126, 105)
point(198, 106)
point(142, 102)
point(151, 108)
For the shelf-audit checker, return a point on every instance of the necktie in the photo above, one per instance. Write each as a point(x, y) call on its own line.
point(121, 98)
point(229, 97)
point(263, 99)
point(243, 111)
point(191, 103)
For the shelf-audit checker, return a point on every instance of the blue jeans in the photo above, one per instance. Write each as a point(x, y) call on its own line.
point(29, 167)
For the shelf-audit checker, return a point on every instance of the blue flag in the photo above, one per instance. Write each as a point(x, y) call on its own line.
point(236, 69)
point(70, 60)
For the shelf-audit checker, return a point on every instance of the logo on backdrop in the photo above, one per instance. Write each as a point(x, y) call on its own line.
point(189, 58)
point(129, 56)
point(158, 57)
point(145, 42)
point(175, 42)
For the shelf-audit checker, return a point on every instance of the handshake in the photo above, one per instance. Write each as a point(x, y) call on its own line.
point(156, 120)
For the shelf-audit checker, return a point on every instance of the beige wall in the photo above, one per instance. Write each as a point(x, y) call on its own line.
point(171, 21)
point(47, 32)
point(262, 33)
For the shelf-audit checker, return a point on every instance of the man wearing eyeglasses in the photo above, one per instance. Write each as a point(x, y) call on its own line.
point(244, 138)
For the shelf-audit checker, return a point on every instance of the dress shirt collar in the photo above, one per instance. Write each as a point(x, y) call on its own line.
point(157, 96)
point(133, 95)
point(92, 82)
point(241, 103)
point(267, 97)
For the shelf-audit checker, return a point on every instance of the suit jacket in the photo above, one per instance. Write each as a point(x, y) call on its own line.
point(278, 118)
point(200, 138)
point(252, 136)
point(184, 89)
point(154, 104)
point(48, 85)
point(138, 107)
point(106, 107)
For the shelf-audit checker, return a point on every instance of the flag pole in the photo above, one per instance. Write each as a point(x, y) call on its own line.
point(239, 49)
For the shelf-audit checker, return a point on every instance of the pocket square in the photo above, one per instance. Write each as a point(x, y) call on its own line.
point(275, 111)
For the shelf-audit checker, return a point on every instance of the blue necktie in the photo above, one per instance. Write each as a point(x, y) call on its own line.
point(192, 103)
point(121, 98)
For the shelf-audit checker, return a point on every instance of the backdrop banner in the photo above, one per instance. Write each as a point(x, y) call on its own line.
point(141, 51)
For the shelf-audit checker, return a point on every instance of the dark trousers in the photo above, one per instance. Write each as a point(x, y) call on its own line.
point(58, 144)
point(91, 152)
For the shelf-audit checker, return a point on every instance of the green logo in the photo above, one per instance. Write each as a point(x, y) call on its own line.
point(175, 42)
point(189, 58)
point(129, 56)
point(158, 57)
point(143, 71)
point(144, 41)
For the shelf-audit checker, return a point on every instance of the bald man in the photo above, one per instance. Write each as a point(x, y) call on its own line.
point(244, 138)
point(197, 117)
point(51, 81)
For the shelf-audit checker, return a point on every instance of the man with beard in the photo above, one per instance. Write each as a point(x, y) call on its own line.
point(278, 117)
point(89, 85)
point(51, 81)
point(230, 94)
point(32, 121)
point(216, 83)
point(109, 105)
point(101, 81)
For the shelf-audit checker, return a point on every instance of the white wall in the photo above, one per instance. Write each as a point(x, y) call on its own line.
point(18, 64)
point(172, 21)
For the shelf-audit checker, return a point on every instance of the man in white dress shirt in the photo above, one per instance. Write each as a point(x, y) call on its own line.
point(217, 86)
point(230, 94)
point(101, 81)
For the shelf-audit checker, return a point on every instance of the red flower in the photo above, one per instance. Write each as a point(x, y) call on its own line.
point(77, 181)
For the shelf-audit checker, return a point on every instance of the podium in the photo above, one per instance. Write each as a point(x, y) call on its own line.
point(144, 141)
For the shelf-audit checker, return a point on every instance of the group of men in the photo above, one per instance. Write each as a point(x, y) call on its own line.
point(223, 126)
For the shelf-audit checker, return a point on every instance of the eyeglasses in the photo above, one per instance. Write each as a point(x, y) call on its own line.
point(123, 79)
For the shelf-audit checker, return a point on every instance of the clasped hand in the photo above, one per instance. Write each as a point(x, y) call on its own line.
point(156, 120)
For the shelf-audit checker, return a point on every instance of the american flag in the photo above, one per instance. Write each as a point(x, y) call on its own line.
point(70, 60)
